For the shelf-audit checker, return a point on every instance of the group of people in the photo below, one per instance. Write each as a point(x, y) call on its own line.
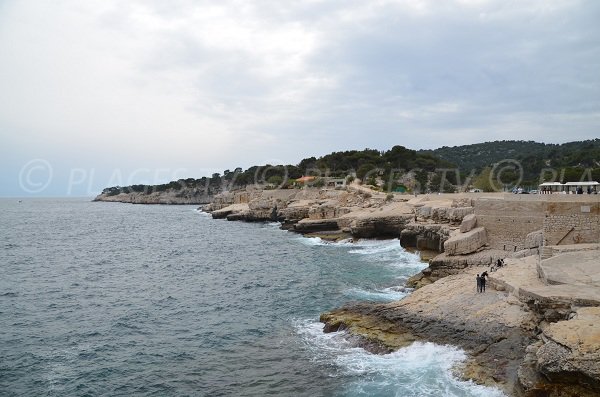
point(499, 264)
point(481, 281)
point(481, 278)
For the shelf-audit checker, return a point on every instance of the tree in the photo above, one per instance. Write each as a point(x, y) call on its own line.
point(275, 180)
point(364, 169)
point(483, 180)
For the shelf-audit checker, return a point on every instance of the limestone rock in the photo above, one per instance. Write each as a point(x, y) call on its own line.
point(571, 352)
point(293, 213)
point(228, 210)
point(468, 223)
point(425, 236)
point(534, 239)
point(448, 311)
point(316, 225)
point(327, 210)
point(182, 196)
point(456, 214)
point(444, 265)
point(466, 243)
point(379, 226)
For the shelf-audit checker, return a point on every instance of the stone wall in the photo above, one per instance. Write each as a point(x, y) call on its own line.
point(508, 222)
point(563, 219)
point(571, 222)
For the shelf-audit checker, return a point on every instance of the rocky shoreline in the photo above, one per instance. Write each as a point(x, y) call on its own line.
point(517, 339)
point(183, 196)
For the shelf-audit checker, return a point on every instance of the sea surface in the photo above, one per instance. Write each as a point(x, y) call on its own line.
point(110, 299)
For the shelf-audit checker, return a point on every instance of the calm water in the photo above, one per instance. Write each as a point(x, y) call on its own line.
point(120, 299)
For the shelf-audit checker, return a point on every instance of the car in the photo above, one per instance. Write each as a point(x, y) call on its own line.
point(534, 191)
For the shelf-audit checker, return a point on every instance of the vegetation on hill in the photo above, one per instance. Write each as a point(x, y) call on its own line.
point(373, 166)
point(525, 162)
point(488, 166)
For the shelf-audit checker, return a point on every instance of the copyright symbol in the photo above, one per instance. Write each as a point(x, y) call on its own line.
point(35, 176)
point(510, 167)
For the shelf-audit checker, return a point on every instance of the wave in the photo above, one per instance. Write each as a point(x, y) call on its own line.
point(421, 369)
point(379, 295)
point(201, 212)
point(318, 241)
point(275, 225)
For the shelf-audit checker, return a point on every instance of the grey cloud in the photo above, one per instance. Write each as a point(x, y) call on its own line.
point(241, 81)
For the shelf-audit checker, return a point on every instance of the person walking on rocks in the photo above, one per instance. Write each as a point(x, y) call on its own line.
point(478, 283)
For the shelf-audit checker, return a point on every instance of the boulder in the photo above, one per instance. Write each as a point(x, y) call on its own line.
point(458, 213)
point(571, 352)
point(440, 213)
point(534, 239)
point(468, 223)
point(316, 225)
point(466, 243)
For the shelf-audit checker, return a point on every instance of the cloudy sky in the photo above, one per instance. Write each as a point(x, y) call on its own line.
point(97, 93)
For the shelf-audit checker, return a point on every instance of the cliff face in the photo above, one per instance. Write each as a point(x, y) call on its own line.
point(355, 211)
point(182, 196)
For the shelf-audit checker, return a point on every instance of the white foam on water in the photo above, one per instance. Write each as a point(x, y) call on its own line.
point(311, 241)
point(389, 252)
point(379, 295)
point(201, 212)
point(421, 369)
point(369, 247)
point(318, 241)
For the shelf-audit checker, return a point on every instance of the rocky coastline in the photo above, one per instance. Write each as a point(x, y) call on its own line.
point(523, 335)
point(183, 196)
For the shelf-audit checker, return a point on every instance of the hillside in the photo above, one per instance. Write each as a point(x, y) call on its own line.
point(372, 166)
point(569, 160)
point(478, 164)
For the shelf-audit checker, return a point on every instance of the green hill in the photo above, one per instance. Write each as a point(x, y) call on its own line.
point(571, 161)
point(505, 163)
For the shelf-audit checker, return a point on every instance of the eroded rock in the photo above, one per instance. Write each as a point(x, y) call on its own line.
point(468, 223)
point(466, 243)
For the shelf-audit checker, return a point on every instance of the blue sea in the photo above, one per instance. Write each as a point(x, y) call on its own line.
point(110, 299)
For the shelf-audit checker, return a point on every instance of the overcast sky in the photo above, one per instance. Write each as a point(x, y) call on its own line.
point(97, 93)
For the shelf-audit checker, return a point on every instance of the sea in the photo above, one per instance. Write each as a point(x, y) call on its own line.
point(111, 299)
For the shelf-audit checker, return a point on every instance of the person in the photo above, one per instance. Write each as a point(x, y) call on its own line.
point(483, 276)
point(478, 283)
point(496, 266)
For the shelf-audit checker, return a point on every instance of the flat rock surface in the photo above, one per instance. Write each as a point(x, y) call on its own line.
point(519, 276)
point(581, 334)
point(578, 268)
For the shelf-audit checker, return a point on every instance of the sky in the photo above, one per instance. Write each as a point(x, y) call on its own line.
point(103, 93)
